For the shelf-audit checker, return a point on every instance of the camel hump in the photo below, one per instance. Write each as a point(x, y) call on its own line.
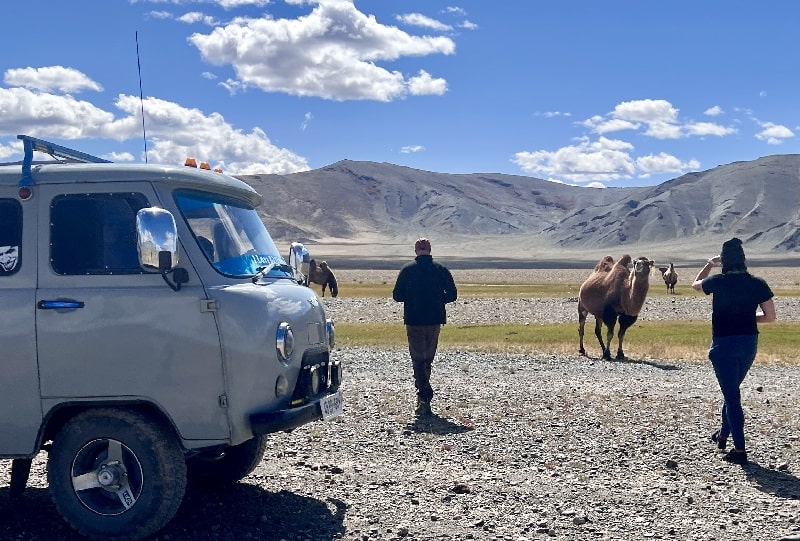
point(605, 264)
point(625, 260)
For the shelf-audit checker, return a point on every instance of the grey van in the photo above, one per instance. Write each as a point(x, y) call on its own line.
point(152, 336)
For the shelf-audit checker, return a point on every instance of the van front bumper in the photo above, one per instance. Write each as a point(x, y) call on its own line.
point(267, 422)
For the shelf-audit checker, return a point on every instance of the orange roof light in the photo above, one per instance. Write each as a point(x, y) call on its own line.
point(205, 165)
point(190, 162)
point(217, 170)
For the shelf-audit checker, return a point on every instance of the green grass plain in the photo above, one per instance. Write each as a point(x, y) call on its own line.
point(779, 342)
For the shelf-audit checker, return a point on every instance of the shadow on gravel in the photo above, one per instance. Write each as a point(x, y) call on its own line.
point(628, 360)
point(776, 483)
point(240, 511)
point(433, 424)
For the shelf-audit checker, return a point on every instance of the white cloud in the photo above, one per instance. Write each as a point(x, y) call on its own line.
point(119, 157)
point(418, 19)
point(553, 114)
point(307, 118)
point(601, 125)
point(588, 161)
point(663, 130)
point(664, 163)
point(468, 25)
point(193, 17)
point(232, 86)
point(455, 10)
point(713, 111)
point(774, 134)
point(411, 149)
point(159, 15)
point(51, 78)
point(174, 132)
point(594, 162)
point(701, 129)
point(332, 53)
point(12, 149)
point(43, 114)
point(423, 84)
point(646, 111)
point(655, 118)
point(177, 132)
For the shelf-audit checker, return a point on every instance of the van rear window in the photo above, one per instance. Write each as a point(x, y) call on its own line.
point(10, 236)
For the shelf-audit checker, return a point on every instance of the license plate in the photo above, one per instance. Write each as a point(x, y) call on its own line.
point(332, 405)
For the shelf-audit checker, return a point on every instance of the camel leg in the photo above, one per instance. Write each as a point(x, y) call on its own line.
point(625, 323)
point(598, 332)
point(610, 321)
point(582, 313)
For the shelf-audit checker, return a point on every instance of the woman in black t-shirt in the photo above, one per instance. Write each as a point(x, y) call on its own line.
point(737, 295)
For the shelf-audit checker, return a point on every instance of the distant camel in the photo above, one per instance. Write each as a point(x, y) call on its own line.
point(612, 292)
point(670, 277)
point(324, 276)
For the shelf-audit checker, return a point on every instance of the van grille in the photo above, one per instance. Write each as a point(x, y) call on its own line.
point(315, 372)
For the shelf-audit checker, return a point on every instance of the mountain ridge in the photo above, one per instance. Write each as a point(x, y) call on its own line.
point(378, 208)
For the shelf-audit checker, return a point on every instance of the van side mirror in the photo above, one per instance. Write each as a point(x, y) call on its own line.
point(157, 244)
point(156, 240)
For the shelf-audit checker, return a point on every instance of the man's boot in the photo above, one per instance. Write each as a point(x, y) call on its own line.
point(423, 408)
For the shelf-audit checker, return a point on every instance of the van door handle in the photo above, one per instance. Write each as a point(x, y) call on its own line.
point(59, 305)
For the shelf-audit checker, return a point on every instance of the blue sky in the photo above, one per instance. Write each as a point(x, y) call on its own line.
point(615, 93)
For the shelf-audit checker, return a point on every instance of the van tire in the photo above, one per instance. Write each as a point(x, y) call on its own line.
point(149, 474)
point(226, 467)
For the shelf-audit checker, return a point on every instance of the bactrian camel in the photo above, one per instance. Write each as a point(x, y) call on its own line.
point(670, 277)
point(323, 275)
point(613, 293)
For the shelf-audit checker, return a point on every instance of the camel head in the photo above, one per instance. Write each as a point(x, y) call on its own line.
point(642, 266)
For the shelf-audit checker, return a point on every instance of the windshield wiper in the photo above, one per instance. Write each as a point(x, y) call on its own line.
point(261, 271)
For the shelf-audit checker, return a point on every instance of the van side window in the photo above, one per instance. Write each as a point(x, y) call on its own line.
point(10, 236)
point(95, 233)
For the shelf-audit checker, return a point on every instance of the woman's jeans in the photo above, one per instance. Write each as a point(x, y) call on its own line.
point(732, 357)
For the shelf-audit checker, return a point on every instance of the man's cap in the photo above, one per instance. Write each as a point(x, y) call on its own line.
point(422, 245)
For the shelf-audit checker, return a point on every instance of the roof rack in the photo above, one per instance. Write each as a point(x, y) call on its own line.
point(61, 154)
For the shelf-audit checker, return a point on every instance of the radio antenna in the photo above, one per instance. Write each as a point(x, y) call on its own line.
point(141, 96)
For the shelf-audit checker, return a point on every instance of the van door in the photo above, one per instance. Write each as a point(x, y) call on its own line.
point(20, 407)
point(109, 332)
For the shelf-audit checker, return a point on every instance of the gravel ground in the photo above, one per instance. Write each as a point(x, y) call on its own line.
point(522, 447)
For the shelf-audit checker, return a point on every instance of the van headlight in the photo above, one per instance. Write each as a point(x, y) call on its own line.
point(284, 341)
point(330, 331)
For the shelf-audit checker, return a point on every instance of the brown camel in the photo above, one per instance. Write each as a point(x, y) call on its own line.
point(323, 275)
point(612, 293)
point(670, 277)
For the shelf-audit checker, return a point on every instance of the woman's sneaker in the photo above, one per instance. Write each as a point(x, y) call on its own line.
point(735, 457)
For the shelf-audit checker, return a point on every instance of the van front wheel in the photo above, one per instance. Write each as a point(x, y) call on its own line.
point(116, 474)
point(226, 467)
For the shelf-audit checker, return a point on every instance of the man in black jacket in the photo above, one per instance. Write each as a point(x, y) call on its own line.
point(424, 287)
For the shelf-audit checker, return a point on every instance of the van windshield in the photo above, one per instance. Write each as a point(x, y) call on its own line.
point(230, 234)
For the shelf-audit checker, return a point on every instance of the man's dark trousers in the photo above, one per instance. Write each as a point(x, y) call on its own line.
point(422, 343)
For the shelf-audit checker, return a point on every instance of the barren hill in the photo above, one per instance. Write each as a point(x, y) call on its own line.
point(367, 209)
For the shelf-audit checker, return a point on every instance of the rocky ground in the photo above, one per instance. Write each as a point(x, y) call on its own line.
point(522, 447)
